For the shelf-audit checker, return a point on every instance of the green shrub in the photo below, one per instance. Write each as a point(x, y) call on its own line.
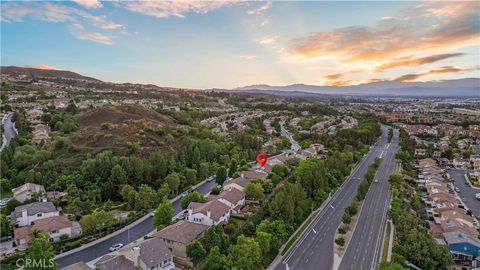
point(340, 241)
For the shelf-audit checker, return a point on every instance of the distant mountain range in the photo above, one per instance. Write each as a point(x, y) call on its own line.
point(44, 73)
point(469, 87)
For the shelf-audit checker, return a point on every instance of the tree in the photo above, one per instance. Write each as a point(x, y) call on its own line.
point(40, 254)
point(173, 181)
point(97, 221)
point(232, 169)
point(246, 252)
point(196, 252)
point(5, 229)
point(163, 214)
point(118, 175)
point(221, 175)
point(216, 260)
point(215, 191)
point(254, 191)
point(163, 191)
point(128, 194)
point(214, 236)
point(147, 198)
point(192, 197)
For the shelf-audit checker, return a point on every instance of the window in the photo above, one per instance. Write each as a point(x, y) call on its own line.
point(39, 214)
point(54, 231)
point(51, 240)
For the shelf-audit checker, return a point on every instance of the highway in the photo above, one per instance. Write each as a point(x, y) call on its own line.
point(134, 233)
point(466, 193)
point(365, 247)
point(314, 249)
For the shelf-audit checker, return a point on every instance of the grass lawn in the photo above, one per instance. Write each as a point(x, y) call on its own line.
point(385, 243)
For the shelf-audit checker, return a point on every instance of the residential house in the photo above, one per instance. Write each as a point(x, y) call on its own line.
point(462, 246)
point(177, 236)
point(115, 262)
point(40, 133)
point(26, 215)
point(420, 152)
point(55, 227)
point(77, 266)
point(151, 254)
point(209, 213)
point(245, 178)
point(24, 192)
point(232, 197)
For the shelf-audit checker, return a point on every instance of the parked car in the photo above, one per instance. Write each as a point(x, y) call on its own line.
point(477, 196)
point(210, 179)
point(457, 189)
point(376, 180)
point(116, 247)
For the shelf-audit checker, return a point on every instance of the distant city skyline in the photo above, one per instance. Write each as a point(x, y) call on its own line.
point(228, 44)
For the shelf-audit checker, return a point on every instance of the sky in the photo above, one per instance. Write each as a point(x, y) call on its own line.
point(228, 44)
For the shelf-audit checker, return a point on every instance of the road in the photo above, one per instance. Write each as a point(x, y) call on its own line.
point(466, 193)
point(314, 249)
point(476, 148)
point(284, 132)
point(125, 237)
point(365, 247)
point(9, 131)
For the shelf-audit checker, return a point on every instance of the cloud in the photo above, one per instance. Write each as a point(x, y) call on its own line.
point(409, 62)
point(46, 67)
point(89, 3)
point(261, 9)
point(268, 40)
point(432, 72)
point(79, 32)
point(333, 76)
point(51, 12)
point(456, 26)
point(164, 9)
point(248, 56)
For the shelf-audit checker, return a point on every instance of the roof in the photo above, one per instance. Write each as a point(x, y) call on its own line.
point(154, 251)
point(34, 208)
point(115, 262)
point(23, 233)
point(182, 231)
point(28, 186)
point(77, 266)
point(217, 209)
point(232, 195)
point(52, 223)
point(458, 237)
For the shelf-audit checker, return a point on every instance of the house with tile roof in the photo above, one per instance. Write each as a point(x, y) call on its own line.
point(26, 191)
point(55, 227)
point(210, 213)
point(177, 236)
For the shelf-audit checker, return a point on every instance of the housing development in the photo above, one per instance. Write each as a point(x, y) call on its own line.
point(239, 135)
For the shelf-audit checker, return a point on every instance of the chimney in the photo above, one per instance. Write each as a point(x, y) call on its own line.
point(189, 213)
point(208, 213)
point(24, 217)
point(241, 174)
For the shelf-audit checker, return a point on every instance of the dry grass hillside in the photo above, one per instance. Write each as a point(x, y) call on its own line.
point(117, 127)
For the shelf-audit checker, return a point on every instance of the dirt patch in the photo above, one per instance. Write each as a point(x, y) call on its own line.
point(117, 127)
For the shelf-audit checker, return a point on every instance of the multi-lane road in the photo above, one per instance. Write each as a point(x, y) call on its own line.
point(314, 249)
point(365, 247)
point(139, 230)
point(9, 131)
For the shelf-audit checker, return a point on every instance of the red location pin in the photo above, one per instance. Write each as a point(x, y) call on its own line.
point(262, 159)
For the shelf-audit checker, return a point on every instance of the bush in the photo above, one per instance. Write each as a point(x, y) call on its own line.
point(351, 210)
point(215, 191)
point(341, 230)
point(340, 241)
point(346, 218)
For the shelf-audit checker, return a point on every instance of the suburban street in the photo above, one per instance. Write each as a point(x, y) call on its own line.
point(9, 131)
point(465, 192)
point(294, 144)
point(365, 247)
point(314, 249)
point(134, 233)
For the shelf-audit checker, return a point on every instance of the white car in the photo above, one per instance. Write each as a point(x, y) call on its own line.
point(376, 180)
point(457, 189)
point(116, 247)
point(210, 179)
